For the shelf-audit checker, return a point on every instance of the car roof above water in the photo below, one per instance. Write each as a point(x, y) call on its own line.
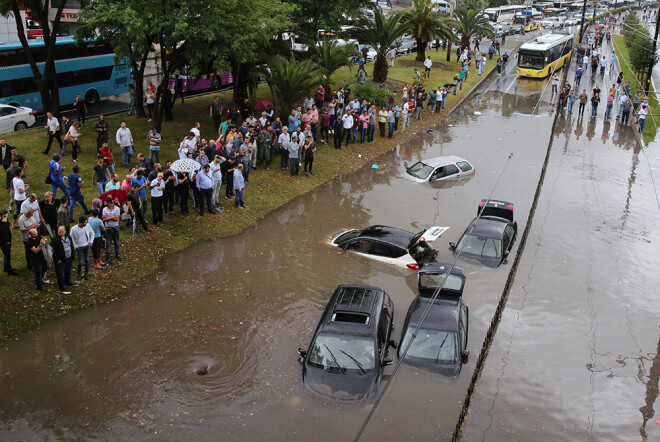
point(352, 309)
point(391, 235)
point(439, 161)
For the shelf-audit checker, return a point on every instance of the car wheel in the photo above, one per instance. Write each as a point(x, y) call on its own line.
point(20, 126)
point(92, 97)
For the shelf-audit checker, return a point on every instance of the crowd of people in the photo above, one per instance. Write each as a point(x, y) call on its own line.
point(248, 139)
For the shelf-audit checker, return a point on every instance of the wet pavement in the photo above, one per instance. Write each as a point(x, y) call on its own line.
point(207, 348)
point(576, 354)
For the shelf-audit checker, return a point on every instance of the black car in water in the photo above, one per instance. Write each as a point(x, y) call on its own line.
point(489, 238)
point(349, 349)
point(440, 345)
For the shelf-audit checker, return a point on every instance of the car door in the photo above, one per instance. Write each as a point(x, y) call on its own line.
point(450, 172)
point(360, 245)
point(463, 322)
point(6, 119)
point(509, 237)
point(385, 252)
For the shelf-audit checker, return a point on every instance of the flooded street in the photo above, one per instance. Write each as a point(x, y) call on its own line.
point(206, 349)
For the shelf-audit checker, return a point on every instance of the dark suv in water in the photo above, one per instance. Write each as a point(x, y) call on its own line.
point(347, 354)
point(440, 345)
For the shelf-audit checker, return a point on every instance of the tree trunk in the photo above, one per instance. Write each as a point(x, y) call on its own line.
point(138, 71)
point(164, 82)
point(448, 50)
point(421, 49)
point(380, 69)
point(240, 76)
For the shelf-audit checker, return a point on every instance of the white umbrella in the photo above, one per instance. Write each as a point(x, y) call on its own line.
point(185, 165)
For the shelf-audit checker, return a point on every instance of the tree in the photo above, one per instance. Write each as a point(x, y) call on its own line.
point(127, 27)
point(45, 78)
point(290, 81)
point(312, 15)
point(381, 33)
point(469, 23)
point(329, 57)
point(424, 24)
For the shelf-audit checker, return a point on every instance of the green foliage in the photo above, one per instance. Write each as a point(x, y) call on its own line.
point(312, 15)
point(290, 81)
point(372, 93)
point(469, 23)
point(496, 3)
point(381, 33)
point(330, 57)
point(475, 5)
point(639, 43)
point(424, 25)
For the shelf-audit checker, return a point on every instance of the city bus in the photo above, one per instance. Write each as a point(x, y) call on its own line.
point(544, 55)
point(89, 70)
point(503, 13)
point(530, 20)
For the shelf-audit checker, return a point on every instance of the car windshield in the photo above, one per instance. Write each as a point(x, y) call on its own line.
point(420, 170)
point(350, 352)
point(437, 345)
point(347, 235)
point(453, 282)
point(480, 246)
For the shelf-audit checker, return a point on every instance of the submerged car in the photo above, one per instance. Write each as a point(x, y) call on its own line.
point(490, 236)
point(391, 245)
point(440, 344)
point(445, 168)
point(349, 349)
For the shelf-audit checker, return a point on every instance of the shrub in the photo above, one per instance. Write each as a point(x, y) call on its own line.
point(372, 93)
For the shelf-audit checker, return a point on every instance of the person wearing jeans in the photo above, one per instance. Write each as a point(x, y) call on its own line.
point(63, 258)
point(125, 140)
point(35, 244)
point(101, 174)
point(111, 220)
point(82, 235)
point(391, 121)
point(56, 177)
point(294, 163)
point(239, 184)
point(204, 181)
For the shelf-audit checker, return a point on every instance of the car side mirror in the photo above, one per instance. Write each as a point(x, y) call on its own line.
point(465, 354)
point(386, 362)
point(452, 245)
point(302, 353)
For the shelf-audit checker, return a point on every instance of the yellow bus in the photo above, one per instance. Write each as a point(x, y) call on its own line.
point(544, 55)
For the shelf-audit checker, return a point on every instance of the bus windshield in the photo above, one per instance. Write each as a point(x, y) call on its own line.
point(534, 60)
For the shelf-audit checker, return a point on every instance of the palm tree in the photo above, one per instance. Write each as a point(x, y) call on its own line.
point(290, 81)
point(424, 25)
point(469, 23)
point(381, 33)
point(330, 57)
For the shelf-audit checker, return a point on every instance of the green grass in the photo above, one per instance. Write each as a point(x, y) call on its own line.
point(20, 308)
point(650, 129)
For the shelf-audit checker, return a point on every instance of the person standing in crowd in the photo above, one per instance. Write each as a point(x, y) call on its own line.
point(157, 188)
point(216, 172)
point(283, 142)
point(53, 126)
point(169, 195)
point(114, 183)
point(583, 102)
point(319, 98)
point(625, 111)
point(72, 137)
point(150, 99)
point(215, 112)
point(391, 120)
point(20, 195)
point(135, 206)
point(142, 183)
point(35, 246)
point(154, 139)
point(57, 176)
point(239, 185)
point(641, 116)
point(264, 141)
point(48, 210)
point(109, 161)
point(595, 99)
point(25, 223)
point(5, 242)
point(63, 259)
point(75, 195)
point(310, 148)
point(204, 182)
point(83, 239)
point(428, 63)
point(5, 153)
point(183, 188)
point(99, 229)
point(382, 120)
point(111, 220)
point(133, 94)
point(65, 126)
point(125, 140)
point(178, 88)
point(81, 109)
point(293, 147)
point(167, 103)
point(101, 128)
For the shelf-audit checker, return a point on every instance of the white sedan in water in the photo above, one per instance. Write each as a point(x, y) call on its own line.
point(15, 118)
point(445, 168)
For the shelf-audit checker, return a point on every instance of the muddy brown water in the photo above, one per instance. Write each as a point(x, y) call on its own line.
point(207, 347)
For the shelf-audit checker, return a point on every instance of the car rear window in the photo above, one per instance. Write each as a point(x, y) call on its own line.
point(432, 280)
point(346, 236)
point(464, 165)
point(480, 246)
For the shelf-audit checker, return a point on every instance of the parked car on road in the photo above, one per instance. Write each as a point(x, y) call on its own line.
point(15, 118)
point(552, 22)
point(391, 245)
point(440, 345)
point(489, 237)
point(405, 45)
point(348, 351)
point(446, 168)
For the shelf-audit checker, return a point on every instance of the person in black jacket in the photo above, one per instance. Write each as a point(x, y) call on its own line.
point(227, 170)
point(63, 258)
point(48, 207)
point(5, 242)
point(5, 153)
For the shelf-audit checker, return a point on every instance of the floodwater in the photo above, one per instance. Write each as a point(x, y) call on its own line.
point(576, 354)
point(206, 349)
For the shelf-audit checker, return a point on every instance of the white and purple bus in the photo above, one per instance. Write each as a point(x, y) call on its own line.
point(203, 82)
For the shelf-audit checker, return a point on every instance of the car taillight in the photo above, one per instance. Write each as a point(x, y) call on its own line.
point(422, 239)
point(413, 266)
point(482, 203)
point(509, 206)
point(31, 113)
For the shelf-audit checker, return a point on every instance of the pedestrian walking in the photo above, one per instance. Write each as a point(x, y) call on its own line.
point(125, 140)
point(555, 84)
point(101, 128)
point(53, 127)
point(641, 117)
point(72, 137)
point(595, 99)
point(583, 102)
point(81, 109)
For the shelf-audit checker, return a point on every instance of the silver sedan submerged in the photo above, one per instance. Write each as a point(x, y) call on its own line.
point(445, 168)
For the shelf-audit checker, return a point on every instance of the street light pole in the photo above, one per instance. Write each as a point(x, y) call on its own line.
point(584, 8)
point(655, 46)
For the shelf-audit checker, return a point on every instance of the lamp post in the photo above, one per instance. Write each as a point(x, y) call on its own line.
point(584, 8)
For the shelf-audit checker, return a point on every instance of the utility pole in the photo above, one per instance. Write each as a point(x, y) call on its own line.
point(655, 47)
point(584, 8)
point(452, 5)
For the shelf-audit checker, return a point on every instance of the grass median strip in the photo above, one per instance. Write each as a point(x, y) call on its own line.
point(21, 308)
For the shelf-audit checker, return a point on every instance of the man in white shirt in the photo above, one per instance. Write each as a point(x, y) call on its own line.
point(283, 142)
point(216, 171)
point(427, 65)
point(195, 130)
point(32, 203)
point(187, 145)
point(125, 140)
point(347, 124)
point(53, 127)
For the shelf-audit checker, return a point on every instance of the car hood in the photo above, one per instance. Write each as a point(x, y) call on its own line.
point(488, 262)
point(443, 368)
point(349, 387)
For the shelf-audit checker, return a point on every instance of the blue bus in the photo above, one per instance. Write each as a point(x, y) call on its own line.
point(89, 70)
